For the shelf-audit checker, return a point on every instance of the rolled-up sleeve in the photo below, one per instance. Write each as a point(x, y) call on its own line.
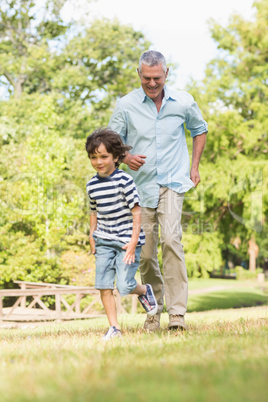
point(118, 121)
point(194, 121)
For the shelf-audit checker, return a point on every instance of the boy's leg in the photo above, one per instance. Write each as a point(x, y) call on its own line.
point(105, 276)
point(125, 273)
point(126, 282)
point(147, 299)
point(109, 305)
point(149, 266)
point(139, 290)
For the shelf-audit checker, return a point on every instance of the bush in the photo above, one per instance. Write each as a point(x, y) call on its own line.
point(243, 274)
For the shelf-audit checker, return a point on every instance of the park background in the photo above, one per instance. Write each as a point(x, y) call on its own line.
point(60, 80)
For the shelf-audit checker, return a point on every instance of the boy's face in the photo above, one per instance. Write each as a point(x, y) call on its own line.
point(103, 162)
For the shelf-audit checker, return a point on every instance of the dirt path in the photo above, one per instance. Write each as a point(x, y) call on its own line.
point(208, 290)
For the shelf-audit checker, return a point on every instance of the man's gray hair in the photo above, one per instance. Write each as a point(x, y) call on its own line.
point(152, 58)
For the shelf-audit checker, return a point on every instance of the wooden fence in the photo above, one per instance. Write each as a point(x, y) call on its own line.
point(29, 306)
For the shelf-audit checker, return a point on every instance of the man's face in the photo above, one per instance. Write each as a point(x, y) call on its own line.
point(153, 81)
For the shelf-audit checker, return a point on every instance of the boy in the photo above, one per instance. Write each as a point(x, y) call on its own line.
point(116, 236)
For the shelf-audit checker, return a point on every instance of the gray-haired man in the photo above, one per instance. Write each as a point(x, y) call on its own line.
point(151, 119)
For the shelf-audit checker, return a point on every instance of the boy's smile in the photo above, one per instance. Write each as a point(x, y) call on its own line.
point(103, 162)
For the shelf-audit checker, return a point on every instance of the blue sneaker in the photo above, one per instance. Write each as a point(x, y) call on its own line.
point(111, 333)
point(148, 301)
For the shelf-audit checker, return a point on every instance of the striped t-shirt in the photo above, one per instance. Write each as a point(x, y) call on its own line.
point(113, 197)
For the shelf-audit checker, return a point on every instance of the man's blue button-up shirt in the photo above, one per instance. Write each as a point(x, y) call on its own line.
point(159, 136)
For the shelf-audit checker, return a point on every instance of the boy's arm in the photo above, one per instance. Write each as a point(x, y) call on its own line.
point(131, 246)
point(93, 227)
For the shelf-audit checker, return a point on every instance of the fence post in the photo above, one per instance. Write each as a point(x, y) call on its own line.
point(77, 303)
point(134, 303)
point(23, 299)
point(58, 306)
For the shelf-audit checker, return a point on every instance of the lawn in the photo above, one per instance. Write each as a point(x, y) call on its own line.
point(222, 357)
point(208, 283)
point(227, 299)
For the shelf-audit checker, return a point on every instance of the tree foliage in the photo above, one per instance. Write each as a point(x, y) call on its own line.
point(232, 198)
point(61, 80)
point(26, 30)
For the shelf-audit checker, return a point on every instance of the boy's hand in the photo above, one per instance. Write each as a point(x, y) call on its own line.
point(92, 245)
point(129, 257)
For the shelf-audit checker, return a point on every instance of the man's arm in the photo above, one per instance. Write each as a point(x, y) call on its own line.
point(118, 124)
point(199, 142)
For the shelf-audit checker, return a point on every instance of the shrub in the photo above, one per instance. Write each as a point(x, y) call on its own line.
point(244, 274)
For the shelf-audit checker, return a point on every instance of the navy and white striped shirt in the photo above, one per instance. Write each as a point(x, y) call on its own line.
point(113, 197)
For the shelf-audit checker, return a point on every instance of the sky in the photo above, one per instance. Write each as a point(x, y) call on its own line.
point(177, 28)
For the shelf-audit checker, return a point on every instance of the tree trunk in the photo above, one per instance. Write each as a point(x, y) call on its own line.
point(253, 251)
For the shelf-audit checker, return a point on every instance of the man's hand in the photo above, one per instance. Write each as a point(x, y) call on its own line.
point(134, 162)
point(130, 248)
point(194, 176)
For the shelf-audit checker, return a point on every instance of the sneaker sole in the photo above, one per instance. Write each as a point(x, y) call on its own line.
point(153, 311)
point(112, 337)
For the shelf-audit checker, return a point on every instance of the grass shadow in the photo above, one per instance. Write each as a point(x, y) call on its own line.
point(234, 298)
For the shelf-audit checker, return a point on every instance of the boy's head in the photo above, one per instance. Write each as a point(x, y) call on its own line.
point(111, 141)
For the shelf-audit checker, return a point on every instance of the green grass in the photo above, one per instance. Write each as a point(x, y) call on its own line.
point(227, 283)
point(229, 298)
point(207, 283)
point(222, 357)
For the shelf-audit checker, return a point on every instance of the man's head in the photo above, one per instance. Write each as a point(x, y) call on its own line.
point(153, 72)
point(152, 58)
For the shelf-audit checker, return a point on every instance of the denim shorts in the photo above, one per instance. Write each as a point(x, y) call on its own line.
point(110, 266)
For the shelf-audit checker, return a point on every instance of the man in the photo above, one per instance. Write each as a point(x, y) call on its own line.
point(151, 119)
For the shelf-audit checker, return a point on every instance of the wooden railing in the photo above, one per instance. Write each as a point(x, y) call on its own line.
point(35, 309)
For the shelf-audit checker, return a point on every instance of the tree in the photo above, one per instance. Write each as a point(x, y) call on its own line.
point(61, 82)
point(234, 168)
point(26, 31)
point(40, 53)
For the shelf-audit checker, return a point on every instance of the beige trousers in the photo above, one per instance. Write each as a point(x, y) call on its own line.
point(174, 282)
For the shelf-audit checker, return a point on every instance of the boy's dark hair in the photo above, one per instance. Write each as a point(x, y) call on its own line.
point(112, 142)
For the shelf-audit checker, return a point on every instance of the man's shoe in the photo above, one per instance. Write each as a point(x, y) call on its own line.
point(148, 301)
point(152, 323)
point(176, 321)
point(112, 332)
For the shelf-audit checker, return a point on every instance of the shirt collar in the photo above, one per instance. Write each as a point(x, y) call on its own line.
point(105, 178)
point(167, 93)
point(142, 95)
